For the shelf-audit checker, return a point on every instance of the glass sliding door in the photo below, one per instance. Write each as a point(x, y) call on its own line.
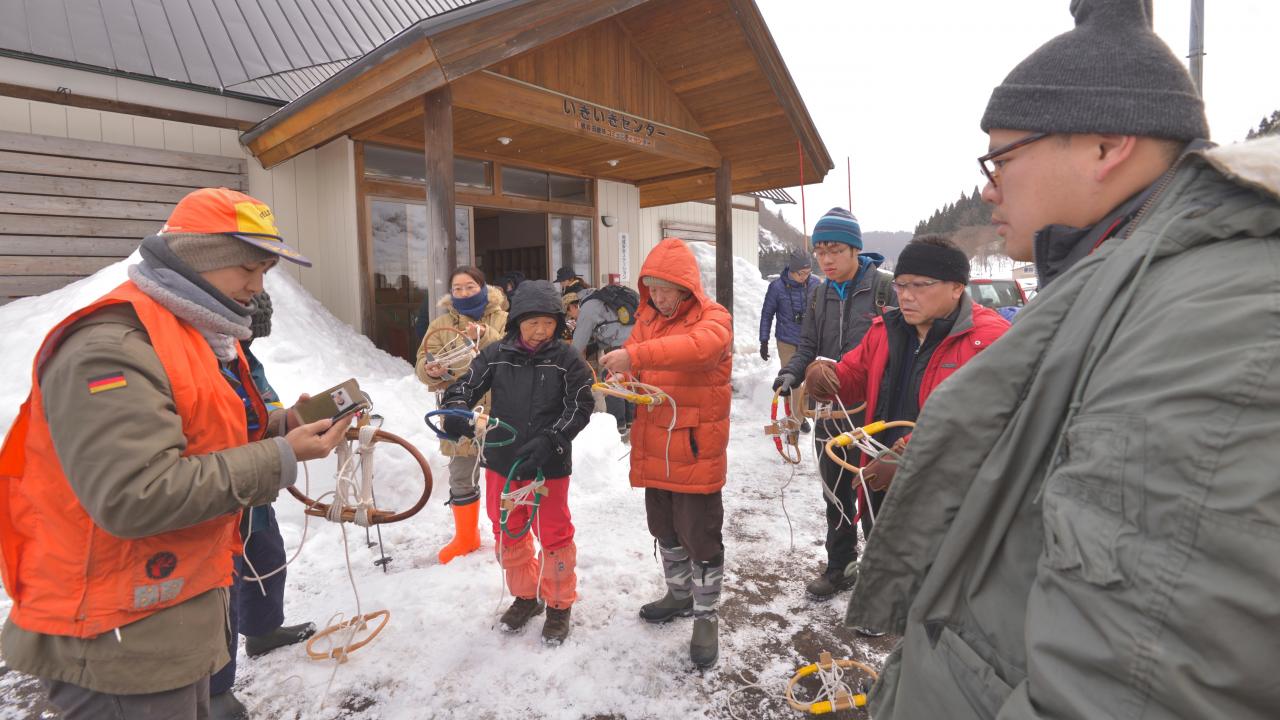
point(398, 234)
point(572, 244)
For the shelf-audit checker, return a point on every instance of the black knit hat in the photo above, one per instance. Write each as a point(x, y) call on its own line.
point(1111, 74)
point(933, 256)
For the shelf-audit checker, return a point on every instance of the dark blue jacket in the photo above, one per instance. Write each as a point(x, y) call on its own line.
point(787, 300)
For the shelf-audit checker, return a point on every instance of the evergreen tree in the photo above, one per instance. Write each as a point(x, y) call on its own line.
point(1268, 126)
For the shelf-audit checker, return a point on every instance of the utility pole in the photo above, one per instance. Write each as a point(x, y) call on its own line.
point(1196, 49)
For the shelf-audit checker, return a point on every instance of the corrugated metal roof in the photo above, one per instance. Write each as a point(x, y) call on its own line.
point(777, 195)
point(276, 49)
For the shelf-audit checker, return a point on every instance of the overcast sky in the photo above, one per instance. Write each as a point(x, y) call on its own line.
point(899, 87)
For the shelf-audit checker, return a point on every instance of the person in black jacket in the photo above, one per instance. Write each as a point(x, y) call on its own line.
point(541, 387)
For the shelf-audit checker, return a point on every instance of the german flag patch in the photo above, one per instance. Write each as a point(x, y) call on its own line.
point(110, 381)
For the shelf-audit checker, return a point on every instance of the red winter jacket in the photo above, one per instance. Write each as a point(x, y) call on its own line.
point(862, 368)
point(690, 356)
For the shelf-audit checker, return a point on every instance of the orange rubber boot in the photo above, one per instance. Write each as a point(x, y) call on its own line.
point(466, 531)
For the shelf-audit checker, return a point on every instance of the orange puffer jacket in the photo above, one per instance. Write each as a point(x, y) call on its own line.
point(690, 356)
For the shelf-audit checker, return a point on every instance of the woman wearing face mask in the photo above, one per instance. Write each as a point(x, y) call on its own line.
point(540, 386)
point(480, 312)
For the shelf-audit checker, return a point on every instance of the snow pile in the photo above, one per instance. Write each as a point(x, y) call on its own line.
point(770, 242)
point(995, 267)
point(749, 371)
point(441, 654)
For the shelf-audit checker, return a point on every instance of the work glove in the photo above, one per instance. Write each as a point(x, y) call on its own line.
point(879, 472)
point(783, 383)
point(764, 351)
point(822, 381)
point(538, 453)
point(458, 427)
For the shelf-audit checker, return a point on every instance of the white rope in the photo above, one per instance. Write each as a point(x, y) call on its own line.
point(832, 685)
point(306, 524)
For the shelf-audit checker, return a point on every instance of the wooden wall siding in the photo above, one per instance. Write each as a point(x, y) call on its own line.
point(601, 64)
point(621, 201)
point(69, 207)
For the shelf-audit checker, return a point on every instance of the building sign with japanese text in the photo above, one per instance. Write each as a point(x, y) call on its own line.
point(612, 124)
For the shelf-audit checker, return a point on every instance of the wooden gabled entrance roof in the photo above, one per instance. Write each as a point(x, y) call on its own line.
point(649, 92)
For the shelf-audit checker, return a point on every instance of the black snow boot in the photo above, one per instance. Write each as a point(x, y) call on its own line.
point(227, 707)
point(668, 608)
point(825, 586)
point(519, 614)
point(556, 627)
point(704, 646)
point(256, 645)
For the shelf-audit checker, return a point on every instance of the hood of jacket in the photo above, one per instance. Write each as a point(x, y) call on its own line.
point(535, 297)
point(673, 261)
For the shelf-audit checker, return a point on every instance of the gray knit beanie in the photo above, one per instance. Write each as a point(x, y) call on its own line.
point(1111, 74)
point(203, 252)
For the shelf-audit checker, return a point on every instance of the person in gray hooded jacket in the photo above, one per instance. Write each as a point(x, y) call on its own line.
point(1086, 522)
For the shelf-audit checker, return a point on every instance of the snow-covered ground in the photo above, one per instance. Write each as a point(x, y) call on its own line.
point(441, 655)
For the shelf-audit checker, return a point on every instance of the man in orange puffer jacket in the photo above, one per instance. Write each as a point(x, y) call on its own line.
point(682, 343)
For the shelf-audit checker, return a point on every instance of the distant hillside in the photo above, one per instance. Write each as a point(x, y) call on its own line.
point(777, 237)
point(967, 221)
point(888, 244)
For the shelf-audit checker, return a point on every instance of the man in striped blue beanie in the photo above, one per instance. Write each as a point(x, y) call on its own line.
point(838, 313)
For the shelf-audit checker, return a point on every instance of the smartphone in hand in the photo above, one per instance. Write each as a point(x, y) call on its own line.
point(335, 403)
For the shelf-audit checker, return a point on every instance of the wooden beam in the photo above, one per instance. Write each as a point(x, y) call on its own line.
point(83, 207)
point(58, 245)
point(504, 97)
point(44, 265)
point(442, 242)
point(700, 172)
point(127, 108)
point(77, 227)
point(27, 285)
point(79, 187)
point(27, 163)
point(724, 235)
point(66, 147)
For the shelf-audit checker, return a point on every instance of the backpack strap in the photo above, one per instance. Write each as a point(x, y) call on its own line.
point(882, 290)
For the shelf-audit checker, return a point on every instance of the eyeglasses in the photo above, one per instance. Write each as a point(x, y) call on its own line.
point(991, 166)
point(824, 252)
point(914, 286)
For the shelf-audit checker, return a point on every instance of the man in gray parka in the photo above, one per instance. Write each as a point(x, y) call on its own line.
point(1087, 520)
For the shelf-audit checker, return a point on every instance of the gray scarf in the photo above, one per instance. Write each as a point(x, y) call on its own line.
point(168, 281)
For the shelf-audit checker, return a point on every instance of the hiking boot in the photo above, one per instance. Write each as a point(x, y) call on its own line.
point(824, 587)
point(625, 434)
point(668, 608)
point(256, 645)
point(704, 646)
point(805, 427)
point(519, 614)
point(556, 627)
point(227, 707)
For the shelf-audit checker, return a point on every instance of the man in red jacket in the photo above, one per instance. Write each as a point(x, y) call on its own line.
point(910, 350)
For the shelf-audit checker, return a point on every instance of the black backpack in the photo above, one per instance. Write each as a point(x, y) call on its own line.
point(621, 300)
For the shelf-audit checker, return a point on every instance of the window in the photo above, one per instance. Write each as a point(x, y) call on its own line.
point(569, 189)
point(524, 183)
point(571, 244)
point(471, 174)
point(395, 163)
point(400, 165)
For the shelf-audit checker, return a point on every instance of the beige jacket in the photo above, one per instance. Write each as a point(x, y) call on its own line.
point(140, 485)
point(494, 318)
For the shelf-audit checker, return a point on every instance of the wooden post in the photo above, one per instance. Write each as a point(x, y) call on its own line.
point(442, 245)
point(724, 235)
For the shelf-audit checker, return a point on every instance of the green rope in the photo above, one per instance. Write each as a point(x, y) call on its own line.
point(539, 481)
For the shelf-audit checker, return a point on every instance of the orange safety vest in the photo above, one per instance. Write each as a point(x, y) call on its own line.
point(66, 575)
